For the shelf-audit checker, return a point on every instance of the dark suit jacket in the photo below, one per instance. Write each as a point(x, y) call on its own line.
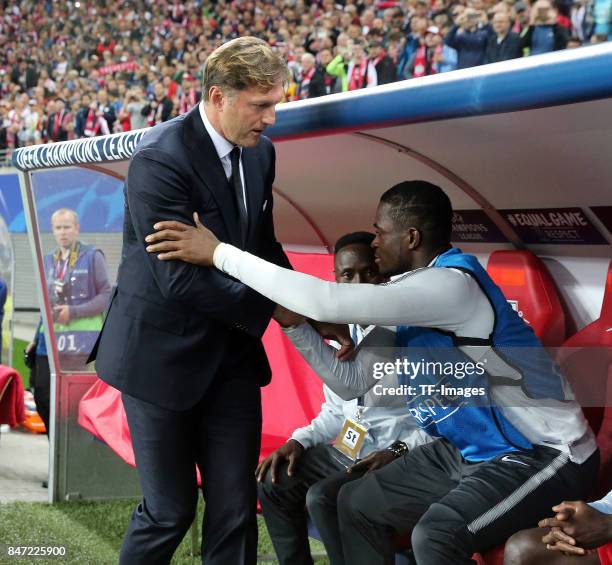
point(172, 327)
point(510, 48)
point(80, 122)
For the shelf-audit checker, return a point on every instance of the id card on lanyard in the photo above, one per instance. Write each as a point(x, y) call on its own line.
point(354, 430)
point(352, 435)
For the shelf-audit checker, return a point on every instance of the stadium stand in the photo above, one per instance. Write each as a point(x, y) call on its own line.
point(72, 70)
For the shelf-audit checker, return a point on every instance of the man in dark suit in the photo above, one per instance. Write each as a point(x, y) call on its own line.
point(503, 44)
point(181, 342)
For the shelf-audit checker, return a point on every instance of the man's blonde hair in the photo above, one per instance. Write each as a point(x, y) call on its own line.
point(242, 63)
point(65, 212)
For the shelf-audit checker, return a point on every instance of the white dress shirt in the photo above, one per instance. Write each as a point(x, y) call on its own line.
point(224, 148)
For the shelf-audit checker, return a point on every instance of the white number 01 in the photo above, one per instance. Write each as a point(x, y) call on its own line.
point(64, 340)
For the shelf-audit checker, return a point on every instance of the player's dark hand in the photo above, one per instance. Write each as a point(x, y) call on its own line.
point(291, 451)
point(339, 333)
point(373, 461)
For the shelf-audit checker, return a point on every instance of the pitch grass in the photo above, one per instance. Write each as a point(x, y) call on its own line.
point(18, 346)
point(93, 532)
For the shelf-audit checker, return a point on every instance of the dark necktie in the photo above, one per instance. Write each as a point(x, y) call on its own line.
point(236, 183)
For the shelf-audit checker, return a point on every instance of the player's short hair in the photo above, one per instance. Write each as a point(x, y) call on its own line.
point(421, 205)
point(355, 238)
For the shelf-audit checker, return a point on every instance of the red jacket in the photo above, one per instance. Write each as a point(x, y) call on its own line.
point(12, 410)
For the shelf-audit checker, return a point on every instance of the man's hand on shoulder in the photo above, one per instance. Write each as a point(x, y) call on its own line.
point(177, 241)
point(291, 451)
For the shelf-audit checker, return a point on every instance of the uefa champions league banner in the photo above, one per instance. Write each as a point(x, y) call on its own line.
point(117, 147)
point(10, 201)
point(96, 197)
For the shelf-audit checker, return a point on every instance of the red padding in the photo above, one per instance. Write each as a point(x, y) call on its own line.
point(12, 410)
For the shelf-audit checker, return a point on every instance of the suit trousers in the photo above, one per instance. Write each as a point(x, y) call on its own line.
point(454, 507)
point(42, 389)
point(221, 434)
point(320, 473)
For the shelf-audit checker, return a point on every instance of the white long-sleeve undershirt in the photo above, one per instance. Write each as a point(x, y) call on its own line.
point(446, 299)
point(442, 298)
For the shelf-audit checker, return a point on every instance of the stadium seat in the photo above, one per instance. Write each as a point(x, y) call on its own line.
point(598, 335)
point(586, 358)
point(529, 288)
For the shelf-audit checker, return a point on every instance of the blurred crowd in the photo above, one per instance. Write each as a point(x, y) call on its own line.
point(72, 69)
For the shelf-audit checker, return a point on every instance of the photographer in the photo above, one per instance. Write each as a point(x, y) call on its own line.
point(79, 291)
point(469, 36)
point(503, 44)
point(544, 34)
point(432, 56)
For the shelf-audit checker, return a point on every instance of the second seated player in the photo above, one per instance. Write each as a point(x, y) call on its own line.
point(493, 469)
point(307, 471)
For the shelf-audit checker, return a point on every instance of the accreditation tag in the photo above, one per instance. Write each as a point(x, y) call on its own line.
point(351, 438)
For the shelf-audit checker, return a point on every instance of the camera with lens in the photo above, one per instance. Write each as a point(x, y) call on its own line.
point(60, 291)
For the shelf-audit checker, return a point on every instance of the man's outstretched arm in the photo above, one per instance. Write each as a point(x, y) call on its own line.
point(440, 298)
